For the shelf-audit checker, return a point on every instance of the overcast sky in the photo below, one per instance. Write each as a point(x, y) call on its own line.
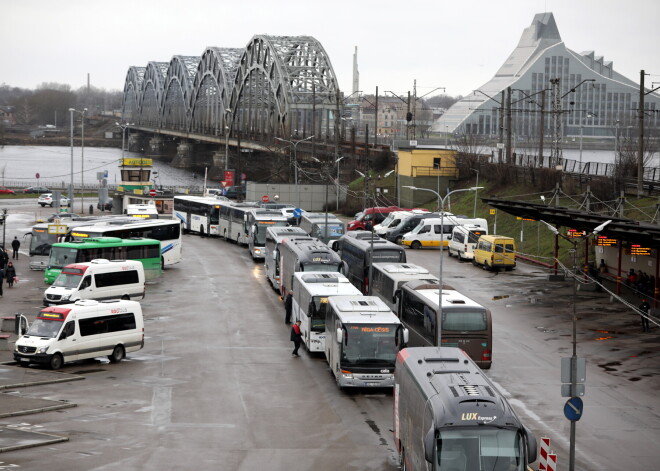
point(454, 44)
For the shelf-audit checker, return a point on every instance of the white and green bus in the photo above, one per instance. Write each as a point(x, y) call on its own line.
point(146, 251)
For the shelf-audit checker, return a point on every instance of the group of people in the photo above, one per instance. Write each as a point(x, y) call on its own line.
point(641, 282)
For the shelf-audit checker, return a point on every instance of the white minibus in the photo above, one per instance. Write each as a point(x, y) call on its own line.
point(86, 329)
point(436, 232)
point(464, 240)
point(310, 301)
point(99, 279)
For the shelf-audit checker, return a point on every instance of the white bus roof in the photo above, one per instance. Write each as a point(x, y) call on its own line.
point(450, 298)
point(327, 284)
point(281, 232)
point(402, 268)
point(362, 310)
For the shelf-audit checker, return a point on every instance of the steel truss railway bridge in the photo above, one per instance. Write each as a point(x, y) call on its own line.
point(275, 87)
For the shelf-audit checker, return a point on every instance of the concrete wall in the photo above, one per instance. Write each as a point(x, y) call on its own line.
point(312, 197)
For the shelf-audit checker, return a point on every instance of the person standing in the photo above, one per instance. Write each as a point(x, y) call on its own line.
point(645, 308)
point(15, 244)
point(10, 274)
point(288, 307)
point(296, 338)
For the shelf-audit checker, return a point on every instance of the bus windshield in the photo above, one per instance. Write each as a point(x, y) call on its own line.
point(62, 256)
point(262, 227)
point(44, 328)
point(369, 344)
point(485, 448)
point(67, 280)
point(331, 267)
point(41, 241)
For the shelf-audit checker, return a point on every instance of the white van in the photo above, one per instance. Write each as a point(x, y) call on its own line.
point(86, 329)
point(464, 239)
point(391, 221)
point(436, 232)
point(99, 279)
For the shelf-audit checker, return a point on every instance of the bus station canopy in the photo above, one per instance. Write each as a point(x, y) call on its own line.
point(633, 232)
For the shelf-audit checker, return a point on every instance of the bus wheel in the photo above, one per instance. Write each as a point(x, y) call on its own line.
point(415, 245)
point(56, 362)
point(398, 240)
point(117, 354)
point(162, 263)
point(126, 297)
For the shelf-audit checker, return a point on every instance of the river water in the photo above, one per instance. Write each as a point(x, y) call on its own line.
point(20, 164)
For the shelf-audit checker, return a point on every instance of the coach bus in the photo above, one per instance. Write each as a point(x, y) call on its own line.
point(323, 226)
point(465, 323)
point(232, 223)
point(166, 231)
point(274, 236)
point(363, 337)
point(304, 254)
point(44, 234)
point(199, 214)
point(146, 251)
point(258, 221)
point(389, 277)
point(310, 302)
point(359, 249)
point(449, 416)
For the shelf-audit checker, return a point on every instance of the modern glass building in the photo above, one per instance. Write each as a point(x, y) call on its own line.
point(588, 92)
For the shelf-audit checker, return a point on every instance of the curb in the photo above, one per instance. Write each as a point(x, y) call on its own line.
point(37, 411)
point(32, 445)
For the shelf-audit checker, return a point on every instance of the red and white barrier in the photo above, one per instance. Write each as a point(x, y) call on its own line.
point(552, 462)
point(543, 454)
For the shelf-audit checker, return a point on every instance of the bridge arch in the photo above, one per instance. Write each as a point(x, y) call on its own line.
point(284, 85)
point(151, 93)
point(132, 89)
point(178, 89)
point(212, 89)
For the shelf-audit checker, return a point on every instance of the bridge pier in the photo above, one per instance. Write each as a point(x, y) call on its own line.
point(183, 157)
point(156, 145)
point(135, 143)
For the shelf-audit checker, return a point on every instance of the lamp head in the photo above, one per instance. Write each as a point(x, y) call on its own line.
point(389, 173)
point(553, 229)
point(602, 226)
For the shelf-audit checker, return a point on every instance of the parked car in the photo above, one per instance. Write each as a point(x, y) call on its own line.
point(46, 199)
point(70, 216)
point(233, 192)
point(6, 191)
point(36, 189)
point(107, 206)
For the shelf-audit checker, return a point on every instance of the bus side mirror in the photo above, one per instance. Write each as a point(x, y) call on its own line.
point(405, 337)
point(395, 298)
point(531, 445)
point(340, 336)
point(428, 445)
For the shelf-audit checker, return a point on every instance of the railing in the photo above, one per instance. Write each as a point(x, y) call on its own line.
point(419, 171)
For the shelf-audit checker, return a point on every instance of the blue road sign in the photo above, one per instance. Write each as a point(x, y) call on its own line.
point(297, 213)
point(573, 409)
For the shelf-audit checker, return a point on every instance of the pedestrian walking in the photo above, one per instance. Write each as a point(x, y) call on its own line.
point(15, 244)
point(10, 274)
point(288, 307)
point(296, 338)
point(645, 308)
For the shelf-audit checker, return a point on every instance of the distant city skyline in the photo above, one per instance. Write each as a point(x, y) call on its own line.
point(455, 46)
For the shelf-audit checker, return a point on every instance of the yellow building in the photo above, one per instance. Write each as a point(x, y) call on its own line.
point(424, 166)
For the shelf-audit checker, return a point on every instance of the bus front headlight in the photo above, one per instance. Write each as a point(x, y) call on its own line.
point(347, 374)
point(42, 350)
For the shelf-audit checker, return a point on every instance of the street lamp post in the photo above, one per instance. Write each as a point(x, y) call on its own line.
point(82, 162)
point(227, 128)
point(574, 358)
point(589, 115)
point(337, 162)
point(442, 199)
point(71, 110)
point(294, 144)
point(474, 214)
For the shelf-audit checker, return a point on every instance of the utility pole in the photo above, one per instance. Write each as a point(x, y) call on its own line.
point(501, 139)
point(541, 128)
point(375, 124)
point(640, 158)
point(509, 125)
point(556, 155)
point(408, 122)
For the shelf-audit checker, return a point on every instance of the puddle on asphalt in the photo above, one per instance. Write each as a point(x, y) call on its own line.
point(497, 298)
point(610, 366)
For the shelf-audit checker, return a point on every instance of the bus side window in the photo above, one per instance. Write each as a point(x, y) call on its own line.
point(69, 330)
